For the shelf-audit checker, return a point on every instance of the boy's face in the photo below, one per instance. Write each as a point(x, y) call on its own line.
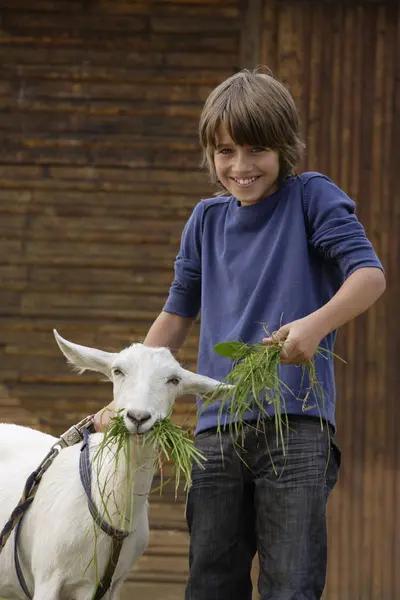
point(249, 173)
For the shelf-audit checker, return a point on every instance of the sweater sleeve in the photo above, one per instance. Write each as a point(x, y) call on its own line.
point(185, 292)
point(334, 228)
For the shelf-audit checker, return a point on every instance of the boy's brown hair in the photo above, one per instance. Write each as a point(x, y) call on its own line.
point(257, 110)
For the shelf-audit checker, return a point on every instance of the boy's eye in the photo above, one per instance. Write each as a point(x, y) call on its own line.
point(256, 149)
point(225, 151)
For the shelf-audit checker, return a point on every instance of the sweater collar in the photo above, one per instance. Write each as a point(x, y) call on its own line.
point(262, 209)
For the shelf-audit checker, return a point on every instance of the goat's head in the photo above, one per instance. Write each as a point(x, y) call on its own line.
point(146, 380)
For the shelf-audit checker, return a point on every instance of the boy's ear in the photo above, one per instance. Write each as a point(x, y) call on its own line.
point(84, 358)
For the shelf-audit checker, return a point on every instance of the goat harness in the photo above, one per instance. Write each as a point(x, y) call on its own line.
point(72, 436)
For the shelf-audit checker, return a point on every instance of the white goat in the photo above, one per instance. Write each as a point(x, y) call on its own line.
point(57, 536)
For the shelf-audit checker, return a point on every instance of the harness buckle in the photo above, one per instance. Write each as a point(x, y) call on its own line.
point(75, 433)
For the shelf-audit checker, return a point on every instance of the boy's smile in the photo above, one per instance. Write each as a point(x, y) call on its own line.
point(249, 173)
point(246, 181)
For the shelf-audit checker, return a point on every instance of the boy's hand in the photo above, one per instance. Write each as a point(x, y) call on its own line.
point(102, 418)
point(301, 339)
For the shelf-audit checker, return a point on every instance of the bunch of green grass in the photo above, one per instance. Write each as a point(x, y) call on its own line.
point(170, 442)
point(255, 383)
point(115, 443)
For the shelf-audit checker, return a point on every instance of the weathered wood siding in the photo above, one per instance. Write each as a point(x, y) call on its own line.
point(99, 171)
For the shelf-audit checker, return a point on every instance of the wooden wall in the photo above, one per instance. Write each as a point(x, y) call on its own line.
point(341, 61)
point(99, 171)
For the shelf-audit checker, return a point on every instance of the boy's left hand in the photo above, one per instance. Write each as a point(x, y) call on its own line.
point(301, 339)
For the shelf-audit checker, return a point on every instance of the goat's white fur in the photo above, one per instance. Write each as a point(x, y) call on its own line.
point(57, 536)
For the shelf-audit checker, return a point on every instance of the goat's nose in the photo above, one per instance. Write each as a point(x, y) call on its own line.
point(139, 417)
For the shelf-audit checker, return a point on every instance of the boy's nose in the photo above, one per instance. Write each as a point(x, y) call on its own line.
point(242, 166)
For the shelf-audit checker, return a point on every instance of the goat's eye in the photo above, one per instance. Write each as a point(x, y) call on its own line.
point(117, 372)
point(174, 380)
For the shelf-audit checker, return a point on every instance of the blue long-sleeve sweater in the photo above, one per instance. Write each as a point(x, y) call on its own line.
point(270, 262)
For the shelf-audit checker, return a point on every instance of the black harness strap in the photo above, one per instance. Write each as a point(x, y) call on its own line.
point(117, 535)
point(17, 563)
point(16, 518)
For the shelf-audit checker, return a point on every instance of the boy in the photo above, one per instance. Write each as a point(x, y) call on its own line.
point(287, 251)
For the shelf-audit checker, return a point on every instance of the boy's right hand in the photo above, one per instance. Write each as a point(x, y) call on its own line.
point(102, 418)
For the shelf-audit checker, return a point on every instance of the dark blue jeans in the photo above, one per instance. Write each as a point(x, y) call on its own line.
point(238, 505)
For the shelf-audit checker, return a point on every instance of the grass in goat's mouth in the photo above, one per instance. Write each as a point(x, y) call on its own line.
point(169, 440)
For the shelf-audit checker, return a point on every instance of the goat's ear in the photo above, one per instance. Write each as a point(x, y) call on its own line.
point(202, 385)
point(84, 358)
